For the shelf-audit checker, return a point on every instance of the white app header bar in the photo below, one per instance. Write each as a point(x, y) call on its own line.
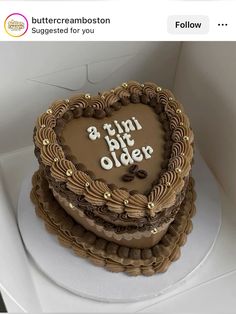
point(116, 20)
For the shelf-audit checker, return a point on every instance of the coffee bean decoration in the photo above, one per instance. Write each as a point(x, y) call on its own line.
point(128, 177)
point(133, 169)
point(141, 174)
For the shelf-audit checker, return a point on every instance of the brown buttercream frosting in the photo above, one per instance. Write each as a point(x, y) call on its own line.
point(163, 195)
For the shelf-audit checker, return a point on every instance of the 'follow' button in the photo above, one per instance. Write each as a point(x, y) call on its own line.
point(188, 24)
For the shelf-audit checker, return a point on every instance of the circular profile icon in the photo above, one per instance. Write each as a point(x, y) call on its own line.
point(16, 25)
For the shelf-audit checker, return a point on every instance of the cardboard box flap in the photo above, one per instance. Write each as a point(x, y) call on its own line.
point(99, 71)
point(71, 79)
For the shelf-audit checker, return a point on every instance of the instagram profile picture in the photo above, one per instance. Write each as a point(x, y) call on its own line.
point(16, 25)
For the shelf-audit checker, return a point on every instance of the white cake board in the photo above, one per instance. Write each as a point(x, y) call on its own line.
point(84, 279)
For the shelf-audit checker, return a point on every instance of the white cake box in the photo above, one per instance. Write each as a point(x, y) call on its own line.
point(35, 74)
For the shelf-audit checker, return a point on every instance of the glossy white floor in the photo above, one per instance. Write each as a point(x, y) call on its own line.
point(210, 289)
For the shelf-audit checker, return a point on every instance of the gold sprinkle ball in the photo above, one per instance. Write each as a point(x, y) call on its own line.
point(178, 111)
point(178, 170)
point(126, 202)
point(168, 184)
point(107, 195)
point(186, 138)
point(69, 172)
point(45, 142)
point(181, 123)
point(159, 89)
point(170, 98)
point(125, 85)
point(154, 231)
point(49, 111)
point(67, 101)
point(43, 126)
point(142, 85)
point(150, 205)
point(55, 159)
point(87, 96)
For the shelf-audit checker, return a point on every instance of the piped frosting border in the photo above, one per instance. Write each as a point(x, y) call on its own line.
point(163, 195)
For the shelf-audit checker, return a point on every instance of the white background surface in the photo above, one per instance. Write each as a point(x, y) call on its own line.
point(20, 97)
point(206, 82)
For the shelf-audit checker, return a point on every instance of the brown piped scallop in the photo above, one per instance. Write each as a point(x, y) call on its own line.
point(100, 244)
point(153, 102)
point(108, 111)
point(146, 253)
point(116, 106)
point(134, 98)
point(123, 252)
point(144, 99)
point(163, 117)
point(166, 126)
point(112, 248)
point(125, 101)
point(99, 114)
point(58, 130)
point(90, 237)
point(77, 112)
point(60, 123)
point(135, 253)
point(77, 231)
point(88, 112)
point(158, 109)
point(68, 115)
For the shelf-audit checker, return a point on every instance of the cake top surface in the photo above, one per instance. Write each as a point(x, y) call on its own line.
point(134, 137)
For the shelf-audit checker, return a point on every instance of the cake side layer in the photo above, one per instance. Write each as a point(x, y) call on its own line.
point(107, 254)
point(131, 239)
point(119, 223)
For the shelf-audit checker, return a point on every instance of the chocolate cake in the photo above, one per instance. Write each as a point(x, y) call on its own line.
point(114, 180)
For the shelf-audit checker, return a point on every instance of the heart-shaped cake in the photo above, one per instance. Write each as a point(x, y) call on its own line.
point(114, 179)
